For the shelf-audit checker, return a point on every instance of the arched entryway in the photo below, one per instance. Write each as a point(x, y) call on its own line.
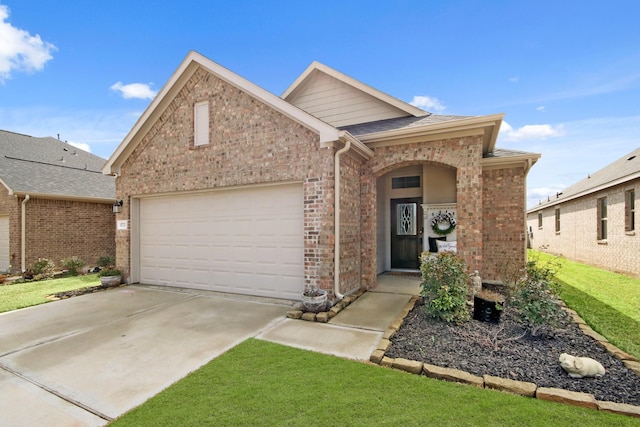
point(406, 197)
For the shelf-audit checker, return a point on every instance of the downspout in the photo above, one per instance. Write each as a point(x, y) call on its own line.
point(24, 233)
point(336, 253)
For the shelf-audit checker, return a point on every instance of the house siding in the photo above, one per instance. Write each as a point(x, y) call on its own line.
point(578, 235)
point(503, 221)
point(250, 143)
point(58, 229)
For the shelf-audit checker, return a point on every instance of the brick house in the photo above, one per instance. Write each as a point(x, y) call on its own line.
point(228, 187)
point(594, 220)
point(54, 203)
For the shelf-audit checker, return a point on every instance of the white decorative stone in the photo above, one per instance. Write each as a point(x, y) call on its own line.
point(580, 367)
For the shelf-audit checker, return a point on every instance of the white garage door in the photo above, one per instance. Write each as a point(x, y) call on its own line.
point(247, 241)
point(4, 243)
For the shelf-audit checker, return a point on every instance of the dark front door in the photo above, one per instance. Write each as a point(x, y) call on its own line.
point(406, 233)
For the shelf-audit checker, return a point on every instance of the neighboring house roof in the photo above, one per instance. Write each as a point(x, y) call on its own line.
point(622, 170)
point(48, 167)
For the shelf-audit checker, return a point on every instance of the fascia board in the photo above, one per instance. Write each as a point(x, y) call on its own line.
point(395, 102)
point(63, 197)
point(357, 146)
point(467, 126)
point(526, 160)
point(9, 190)
point(326, 132)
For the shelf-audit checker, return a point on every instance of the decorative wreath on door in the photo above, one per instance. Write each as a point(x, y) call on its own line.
point(443, 223)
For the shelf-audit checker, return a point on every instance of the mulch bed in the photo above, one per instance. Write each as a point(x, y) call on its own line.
point(507, 350)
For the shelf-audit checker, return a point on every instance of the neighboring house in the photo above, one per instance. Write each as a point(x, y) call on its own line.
point(595, 220)
point(54, 203)
point(230, 188)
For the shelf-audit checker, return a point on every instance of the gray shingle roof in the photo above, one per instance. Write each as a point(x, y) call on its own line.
point(52, 167)
point(624, 169)
point(398, 123)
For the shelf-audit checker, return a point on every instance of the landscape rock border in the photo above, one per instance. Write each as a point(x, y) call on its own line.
point(325, 316)
point(507, 385)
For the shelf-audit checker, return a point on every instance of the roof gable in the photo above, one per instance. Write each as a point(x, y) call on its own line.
point(327, 134)
point(343, 101)
point(48, 167)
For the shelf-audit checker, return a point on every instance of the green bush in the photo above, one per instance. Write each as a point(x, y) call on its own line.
point(445, 287)
point(535, 298)
point(43, 268)
point(72, 264)
point(107, 261)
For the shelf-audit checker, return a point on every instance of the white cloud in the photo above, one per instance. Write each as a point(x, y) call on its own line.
point(540, 108)
point(19, 50)
point(428, 103)
point(134, 90)
point(81, 145)
point(514, 79)
point(528, 132)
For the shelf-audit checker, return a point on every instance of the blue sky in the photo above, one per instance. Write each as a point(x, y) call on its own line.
point(565, 73)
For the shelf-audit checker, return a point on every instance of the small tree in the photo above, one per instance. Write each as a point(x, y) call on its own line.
point(445, 287)
point(535, 299)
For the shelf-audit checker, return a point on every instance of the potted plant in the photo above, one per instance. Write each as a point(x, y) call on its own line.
point(487, 306)
point(313, 299)
point(109, 275)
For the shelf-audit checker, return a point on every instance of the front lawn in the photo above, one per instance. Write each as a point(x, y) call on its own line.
point(608, 302)
point(258, 383)
point(20, 295)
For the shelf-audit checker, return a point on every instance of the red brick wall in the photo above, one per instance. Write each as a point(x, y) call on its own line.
point(465, 154)
point(250, 143)
point(58, 229)
point(504, 227)
point(350, 236)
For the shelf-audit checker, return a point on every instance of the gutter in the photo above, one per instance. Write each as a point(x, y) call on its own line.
point(24, 233)
point(336, 250)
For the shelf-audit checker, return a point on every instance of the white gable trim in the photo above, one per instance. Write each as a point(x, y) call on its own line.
point(186, 69)
point(316, 66)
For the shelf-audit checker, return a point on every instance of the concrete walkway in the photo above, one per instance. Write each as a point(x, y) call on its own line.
point(88, 359)
point(356, 331)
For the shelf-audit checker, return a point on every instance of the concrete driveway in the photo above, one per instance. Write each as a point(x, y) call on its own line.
point(89, 359)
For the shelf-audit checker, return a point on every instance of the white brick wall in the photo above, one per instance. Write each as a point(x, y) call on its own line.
point(578, 239)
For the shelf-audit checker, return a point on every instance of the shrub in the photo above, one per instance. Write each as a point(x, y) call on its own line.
point(43, 268)
point(445, 287)
point(72, 264)
point(107, 261)
point(535, 297)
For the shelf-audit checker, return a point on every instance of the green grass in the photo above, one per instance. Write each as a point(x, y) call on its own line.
point(20, 295)
point(258, 383)
point(608, 302)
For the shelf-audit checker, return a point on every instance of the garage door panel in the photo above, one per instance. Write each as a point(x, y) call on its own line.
point(247, 241)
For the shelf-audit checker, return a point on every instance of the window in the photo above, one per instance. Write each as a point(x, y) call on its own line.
point(201, 123)
point(602, 218)
point(557, 220)
point(405, 182)
point(630, 210)
point(540, 219)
